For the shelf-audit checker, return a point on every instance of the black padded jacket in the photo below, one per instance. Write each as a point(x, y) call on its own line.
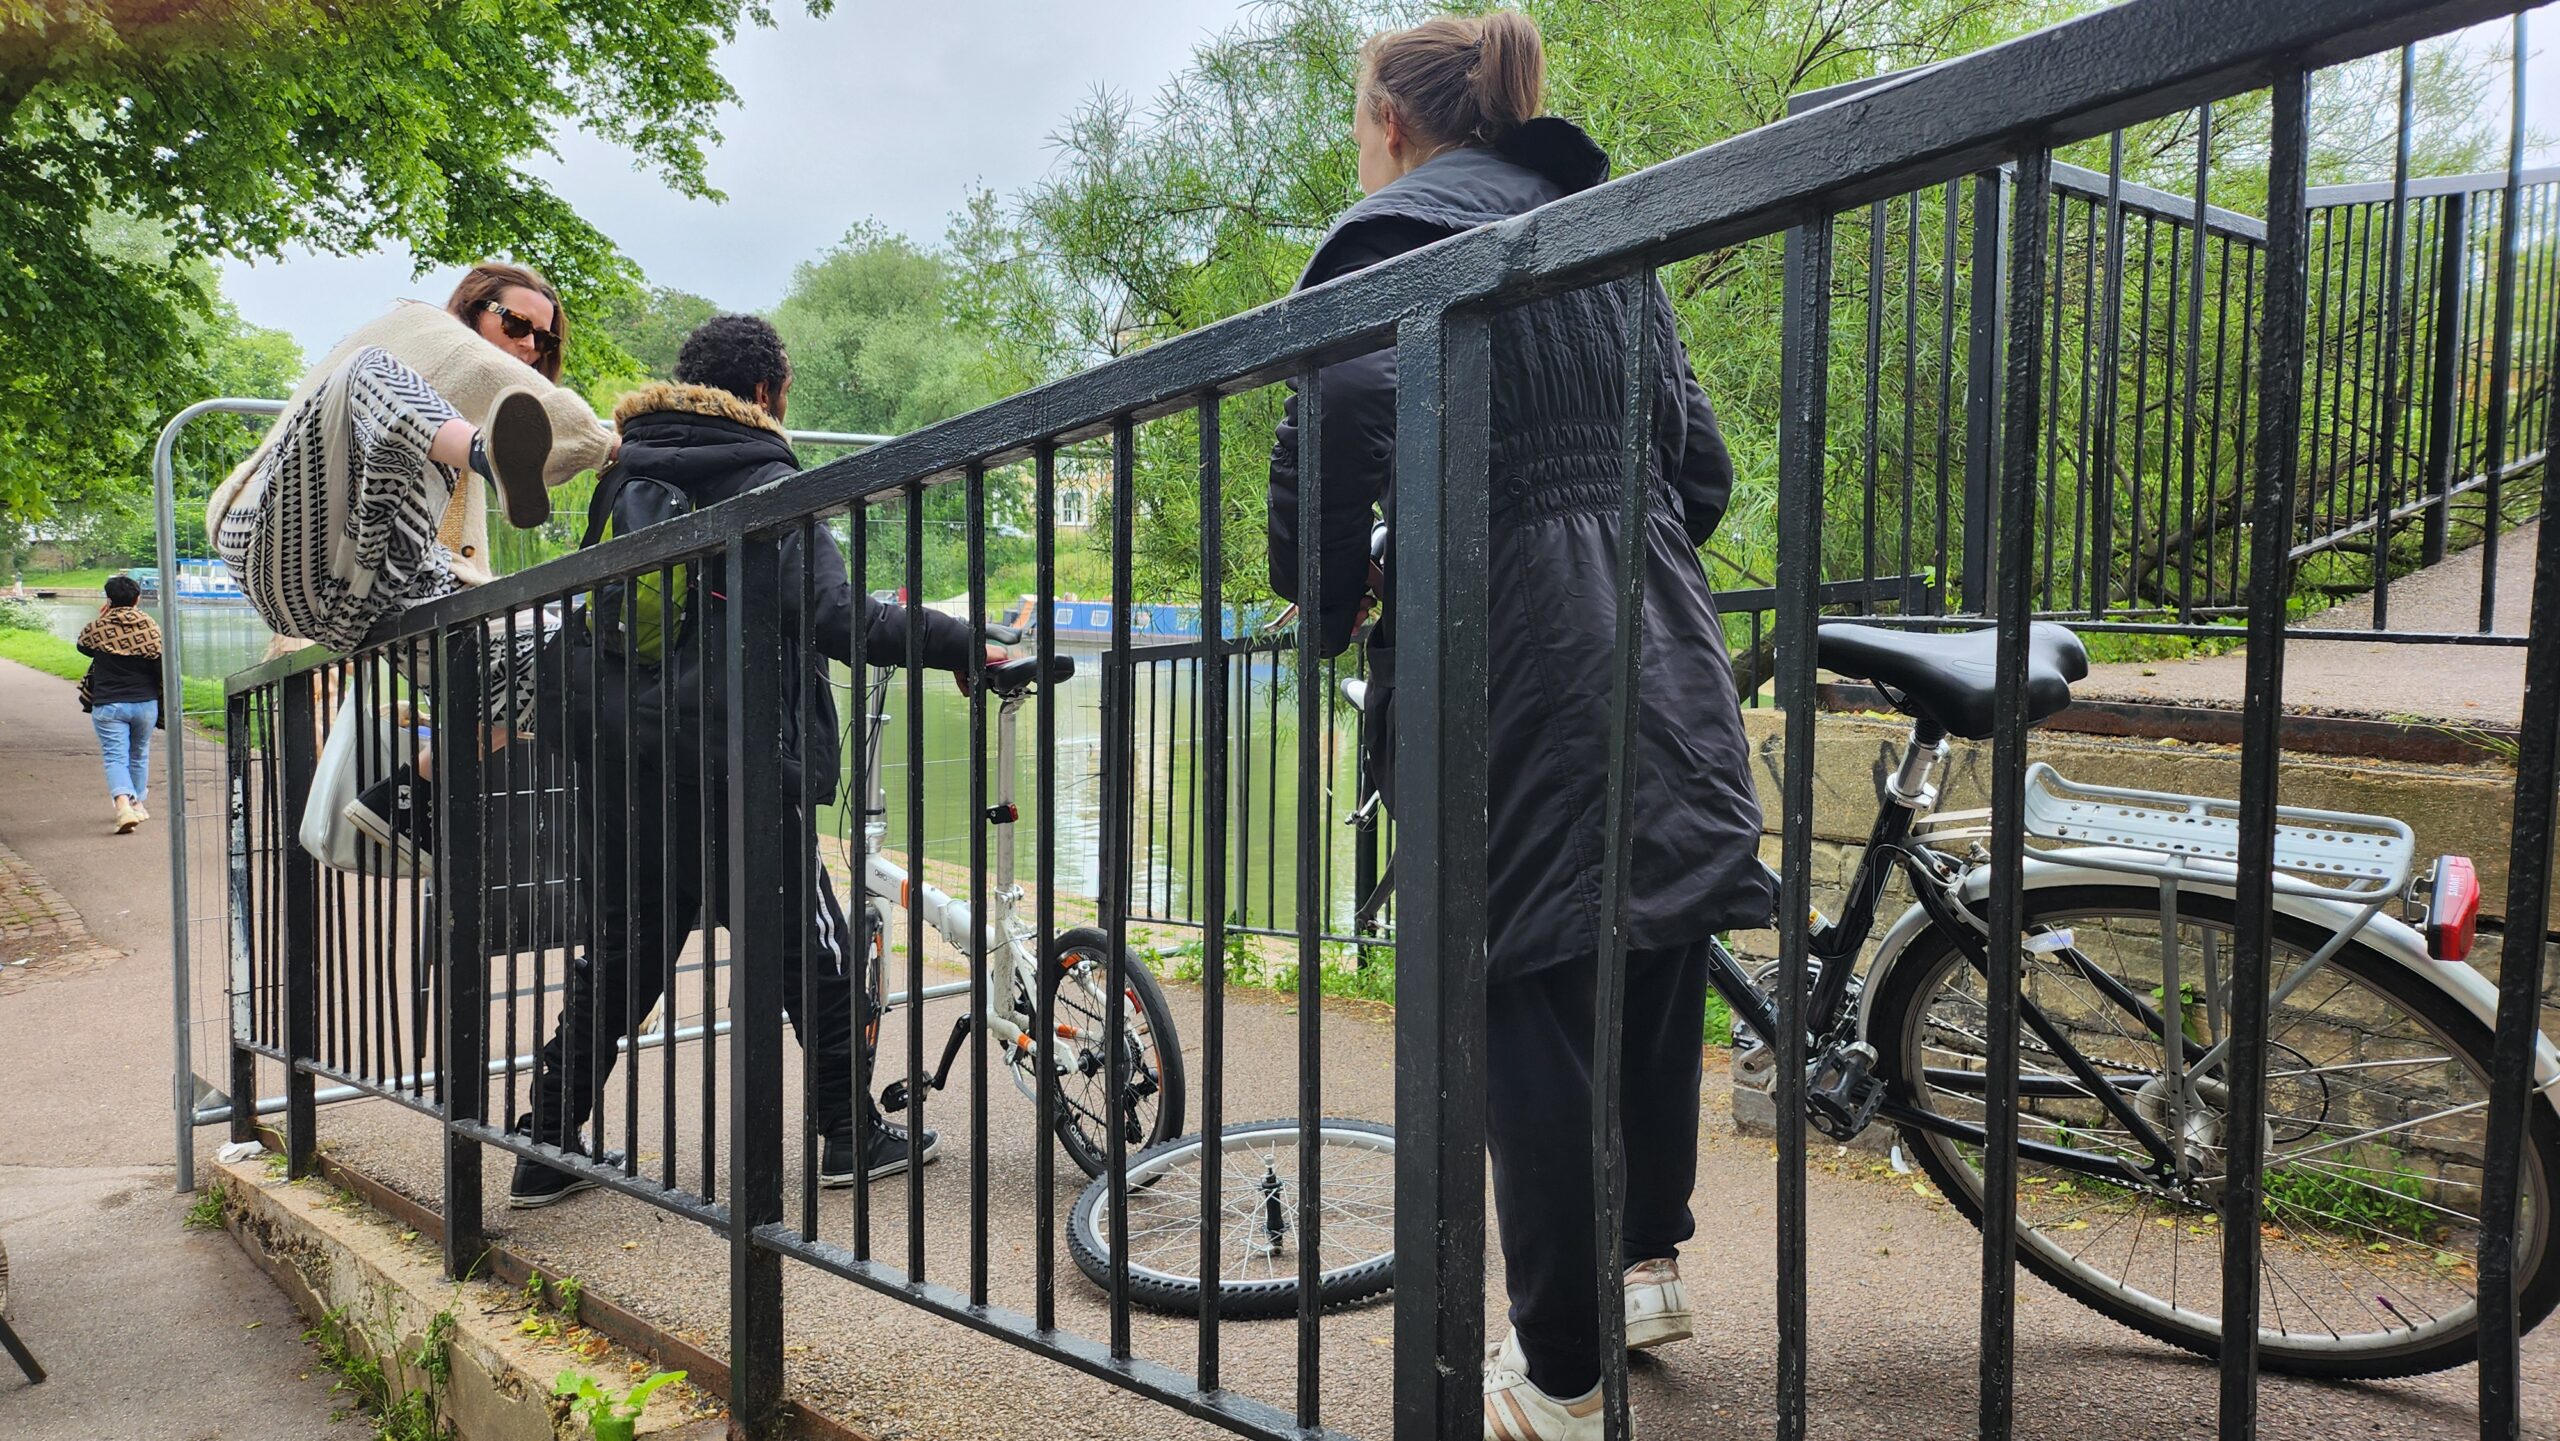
point(1556, 417)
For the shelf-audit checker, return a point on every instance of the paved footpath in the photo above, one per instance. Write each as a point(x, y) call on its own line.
point(152, 1332)
point(2450, 685)
point(1894, 1274)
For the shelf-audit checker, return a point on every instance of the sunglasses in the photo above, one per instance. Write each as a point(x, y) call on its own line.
point(517, 327)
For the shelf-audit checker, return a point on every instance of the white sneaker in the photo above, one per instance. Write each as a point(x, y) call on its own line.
point(1516, 1410)
point(1657, 1305)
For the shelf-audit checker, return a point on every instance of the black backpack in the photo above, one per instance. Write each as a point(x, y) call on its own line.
point(631, 640)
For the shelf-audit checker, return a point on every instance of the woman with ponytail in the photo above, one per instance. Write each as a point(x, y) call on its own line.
point(1451, 137)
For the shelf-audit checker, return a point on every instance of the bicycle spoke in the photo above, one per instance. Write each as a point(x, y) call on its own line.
point(2373, 1167)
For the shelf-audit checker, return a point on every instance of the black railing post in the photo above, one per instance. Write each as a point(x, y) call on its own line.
point(1364, 839)
point(1213, 880)
point(2512, 1097)
point(2280, 381)
point(297, 741)
point(238, 847)
point(2444, 358)
point(1987, 328)
point(2031, 262)
point(460, 892)
point(2502, 336)
point(1805, 391)
point(756, 879)
point(1443, 435)
point(1626, 700)
point(2102, 507)
point(2394, 315)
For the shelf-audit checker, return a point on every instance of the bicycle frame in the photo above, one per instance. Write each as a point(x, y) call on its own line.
point(1005, 933)
point(1941, 884)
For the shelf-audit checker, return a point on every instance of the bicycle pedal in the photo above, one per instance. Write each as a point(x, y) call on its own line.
point(893, 1097)
point(1842, 1092)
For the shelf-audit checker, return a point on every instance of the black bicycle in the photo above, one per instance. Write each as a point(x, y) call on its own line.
point(2376, 1068)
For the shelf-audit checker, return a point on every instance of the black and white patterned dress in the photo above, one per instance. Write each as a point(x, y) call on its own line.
point(329, 572)
point(332, 584)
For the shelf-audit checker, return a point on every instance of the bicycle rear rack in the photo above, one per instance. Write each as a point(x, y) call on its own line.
point(2334, 855)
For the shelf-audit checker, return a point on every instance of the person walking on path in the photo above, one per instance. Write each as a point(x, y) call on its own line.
point(1450, 137)
point(716, 433)
point(122, 695)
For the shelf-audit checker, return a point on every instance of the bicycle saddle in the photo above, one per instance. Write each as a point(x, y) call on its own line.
point(1016, 676)
point(1949, 679)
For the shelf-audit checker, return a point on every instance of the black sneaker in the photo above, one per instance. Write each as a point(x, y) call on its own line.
point(891, 1152)
point(398, 811)
point(539, 1183)
point(512, 449)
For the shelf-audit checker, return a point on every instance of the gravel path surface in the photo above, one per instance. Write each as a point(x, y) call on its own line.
point(151, 1331)
point(2462, 684)
point(1894, 1298)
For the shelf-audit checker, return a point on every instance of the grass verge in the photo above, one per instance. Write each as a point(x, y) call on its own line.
point(50, 653)
point(91, 578)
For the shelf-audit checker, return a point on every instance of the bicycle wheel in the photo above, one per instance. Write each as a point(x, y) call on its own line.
point(2377, 1091)
point(1150, 1073)
point(1258, 1226)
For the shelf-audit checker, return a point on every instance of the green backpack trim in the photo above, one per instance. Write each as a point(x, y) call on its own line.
point(641, 618)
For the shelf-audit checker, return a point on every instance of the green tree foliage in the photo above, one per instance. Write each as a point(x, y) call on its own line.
point(649, 326)
point(873, 346)
point(1207, 202)
point(246, 128)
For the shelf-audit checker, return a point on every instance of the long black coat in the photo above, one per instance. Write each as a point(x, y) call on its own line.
point(1557, 408)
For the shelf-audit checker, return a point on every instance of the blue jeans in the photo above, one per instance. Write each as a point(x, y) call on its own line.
point(124, 739)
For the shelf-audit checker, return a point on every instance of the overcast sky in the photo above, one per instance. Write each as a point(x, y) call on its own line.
point(888, 109)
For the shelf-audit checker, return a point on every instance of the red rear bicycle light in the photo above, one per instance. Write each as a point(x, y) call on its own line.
point(2453, 908)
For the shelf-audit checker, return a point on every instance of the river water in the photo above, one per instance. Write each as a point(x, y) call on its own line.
point(216, 639)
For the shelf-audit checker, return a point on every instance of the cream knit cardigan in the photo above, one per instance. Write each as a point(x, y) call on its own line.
point(469, 373)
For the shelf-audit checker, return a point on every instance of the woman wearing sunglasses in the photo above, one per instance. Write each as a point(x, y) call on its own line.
point(360, 500)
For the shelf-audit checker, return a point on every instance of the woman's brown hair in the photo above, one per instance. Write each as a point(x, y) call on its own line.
point(491, 279)
point(1458, 80)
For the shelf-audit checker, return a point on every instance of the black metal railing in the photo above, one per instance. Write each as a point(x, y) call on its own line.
point(378, 980)
point(2429, 328)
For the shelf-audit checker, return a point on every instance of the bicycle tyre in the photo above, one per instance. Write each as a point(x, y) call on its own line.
point(1170, 1289)
point(2452, 1340)
point(1078, 1122)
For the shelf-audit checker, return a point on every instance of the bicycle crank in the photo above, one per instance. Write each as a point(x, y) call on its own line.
point(894, 1096)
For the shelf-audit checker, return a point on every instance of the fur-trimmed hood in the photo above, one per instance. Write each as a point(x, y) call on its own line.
point(682, 399)
point(705, 442)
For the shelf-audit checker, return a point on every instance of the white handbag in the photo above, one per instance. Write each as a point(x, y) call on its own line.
point(350, 761)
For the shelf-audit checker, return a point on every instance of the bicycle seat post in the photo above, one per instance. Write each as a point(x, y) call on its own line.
point(1908, 786)
point(1005, 814)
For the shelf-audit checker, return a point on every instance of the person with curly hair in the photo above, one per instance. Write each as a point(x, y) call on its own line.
point(716, 432)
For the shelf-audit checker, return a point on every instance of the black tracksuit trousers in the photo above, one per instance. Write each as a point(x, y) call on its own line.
point(652, 873)
point(1538, 1130)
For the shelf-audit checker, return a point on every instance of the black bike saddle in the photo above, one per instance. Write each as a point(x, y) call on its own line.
point(1949, 679)
point(1016, 676)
